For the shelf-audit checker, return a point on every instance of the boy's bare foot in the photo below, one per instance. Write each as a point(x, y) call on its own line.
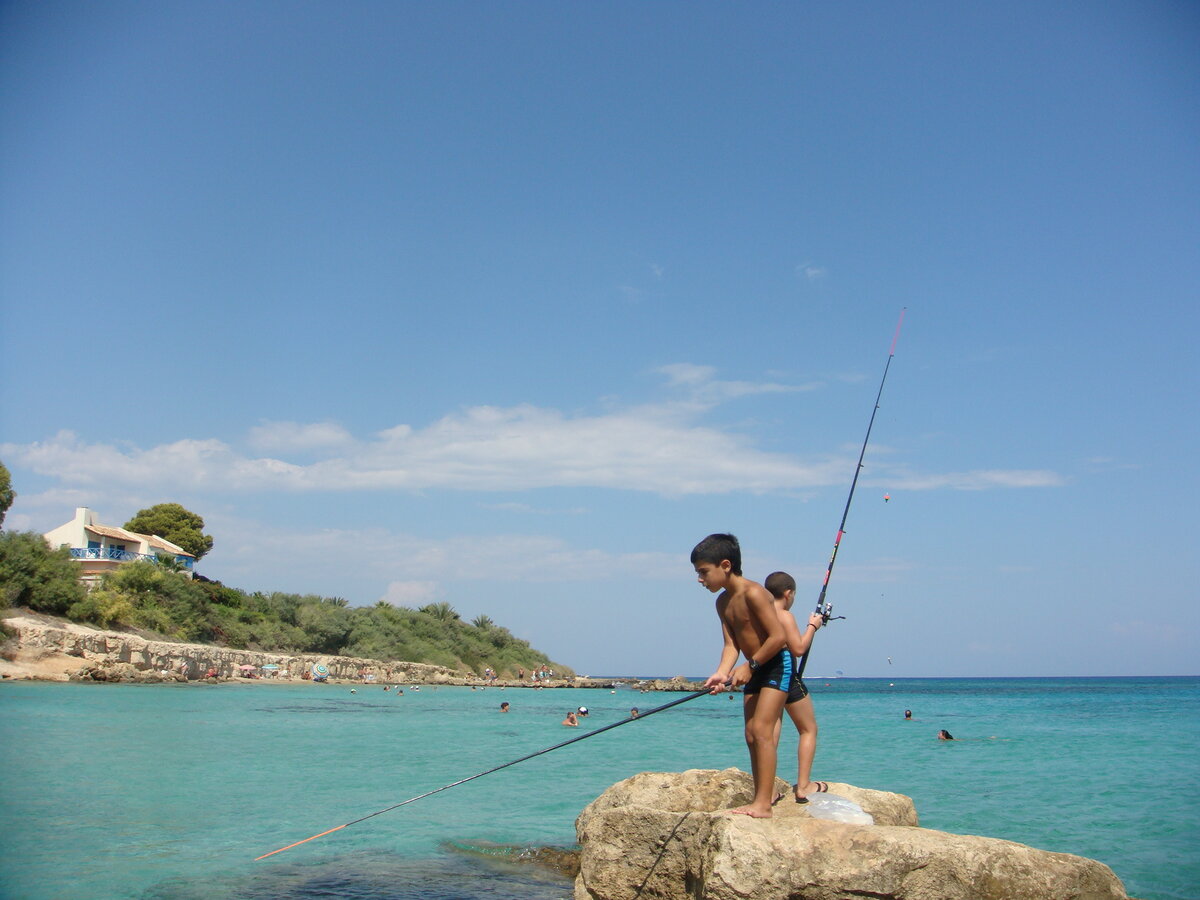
point(751, 812)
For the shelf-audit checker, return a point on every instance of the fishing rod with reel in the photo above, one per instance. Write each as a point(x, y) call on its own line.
point(824, 607)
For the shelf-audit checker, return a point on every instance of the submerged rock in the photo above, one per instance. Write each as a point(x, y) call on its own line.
point(662, 836)
point(560, 860)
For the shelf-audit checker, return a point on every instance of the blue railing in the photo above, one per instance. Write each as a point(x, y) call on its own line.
point(116, 553)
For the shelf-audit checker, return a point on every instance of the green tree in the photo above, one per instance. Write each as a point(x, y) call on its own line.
point(33, 575)
point(442, 611)
point(176, 524)
point(483, 623)
point(7, 494)
point(327, 625)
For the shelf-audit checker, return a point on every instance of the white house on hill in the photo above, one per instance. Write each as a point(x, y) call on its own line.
point(101, 548)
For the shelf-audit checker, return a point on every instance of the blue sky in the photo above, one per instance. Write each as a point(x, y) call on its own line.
point(508, 305)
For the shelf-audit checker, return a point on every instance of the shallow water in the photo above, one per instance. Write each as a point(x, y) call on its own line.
point(161, 791)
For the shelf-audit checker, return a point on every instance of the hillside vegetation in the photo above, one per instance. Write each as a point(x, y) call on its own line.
point(151, 596)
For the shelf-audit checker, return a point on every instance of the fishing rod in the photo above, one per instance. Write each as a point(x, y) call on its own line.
point(824, 609)
point(446, 787)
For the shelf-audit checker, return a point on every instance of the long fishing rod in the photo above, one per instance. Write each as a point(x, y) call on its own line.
point(824, 609)
point(447, 787)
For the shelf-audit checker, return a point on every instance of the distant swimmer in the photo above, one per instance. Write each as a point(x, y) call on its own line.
point(633, 713)
point(908, 714)
point(504, 706)
point(944, 735)
point(571, 720)
point(583, 711)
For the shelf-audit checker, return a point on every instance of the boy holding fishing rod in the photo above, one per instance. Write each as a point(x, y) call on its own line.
point(750, 626)
point(782, 588)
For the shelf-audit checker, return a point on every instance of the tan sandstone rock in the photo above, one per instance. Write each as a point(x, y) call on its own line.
point(54, 648)
point(663, 836)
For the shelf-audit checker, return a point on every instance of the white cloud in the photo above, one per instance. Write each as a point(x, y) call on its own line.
point(377, 554)
point(979, 480)
point(705, 389)
point(411, 593)
point(671, 449)
point(296, 436)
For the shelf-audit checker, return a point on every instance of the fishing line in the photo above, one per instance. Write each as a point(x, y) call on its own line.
point(824, 609)
point(446, 787)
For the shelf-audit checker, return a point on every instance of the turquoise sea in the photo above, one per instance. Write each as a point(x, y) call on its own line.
point(159, 792)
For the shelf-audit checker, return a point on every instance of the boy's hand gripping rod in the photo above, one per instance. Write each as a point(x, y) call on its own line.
point(823, 608)
point(581, 737)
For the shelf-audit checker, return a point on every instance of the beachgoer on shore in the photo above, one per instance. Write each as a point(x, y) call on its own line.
point(751, 627)
point(782, 588)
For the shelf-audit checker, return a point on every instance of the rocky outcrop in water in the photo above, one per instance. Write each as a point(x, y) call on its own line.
point(669, 836)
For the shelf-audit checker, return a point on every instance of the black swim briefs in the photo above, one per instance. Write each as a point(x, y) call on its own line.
point(798, 691)
point(774, 673)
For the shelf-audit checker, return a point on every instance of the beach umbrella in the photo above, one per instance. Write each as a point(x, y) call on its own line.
point(246, 666)
point(270, 666)
point(320, 669)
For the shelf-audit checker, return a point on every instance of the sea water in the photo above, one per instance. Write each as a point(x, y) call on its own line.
point(169, 792)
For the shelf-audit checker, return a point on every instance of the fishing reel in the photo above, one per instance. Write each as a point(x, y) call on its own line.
point(826, 611)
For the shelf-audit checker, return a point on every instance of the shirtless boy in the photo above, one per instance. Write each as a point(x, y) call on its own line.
point(749, 626)
point(799, 704)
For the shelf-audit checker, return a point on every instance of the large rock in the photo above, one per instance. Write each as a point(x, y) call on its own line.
point(662, 836)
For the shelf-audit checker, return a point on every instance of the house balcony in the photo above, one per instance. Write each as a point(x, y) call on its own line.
point(116, 554)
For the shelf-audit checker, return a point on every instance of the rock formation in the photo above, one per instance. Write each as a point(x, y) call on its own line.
point(669, 836)
point(88, 654)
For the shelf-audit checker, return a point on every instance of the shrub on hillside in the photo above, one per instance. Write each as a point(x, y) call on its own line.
point(33, 575)
point(105, 608)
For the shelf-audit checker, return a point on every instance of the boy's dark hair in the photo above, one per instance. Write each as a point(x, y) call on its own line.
point(779, 583)
point(717, 547)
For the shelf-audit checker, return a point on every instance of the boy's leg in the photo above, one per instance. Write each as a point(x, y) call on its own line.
point(762, 712)
point(805, 719)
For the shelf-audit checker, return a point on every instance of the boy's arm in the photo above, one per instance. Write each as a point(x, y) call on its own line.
point(799, 641)
point(791, 632)
point(729, 656)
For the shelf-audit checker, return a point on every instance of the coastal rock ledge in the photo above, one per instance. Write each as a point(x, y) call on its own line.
point(669, 836)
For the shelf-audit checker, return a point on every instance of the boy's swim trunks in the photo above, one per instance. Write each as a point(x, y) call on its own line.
point(774, 673)
point(798, 690)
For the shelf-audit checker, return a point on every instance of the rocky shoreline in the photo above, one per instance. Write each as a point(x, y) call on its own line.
point(45, 648)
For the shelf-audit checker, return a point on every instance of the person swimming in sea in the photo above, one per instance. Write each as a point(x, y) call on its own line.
point(944, 735)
